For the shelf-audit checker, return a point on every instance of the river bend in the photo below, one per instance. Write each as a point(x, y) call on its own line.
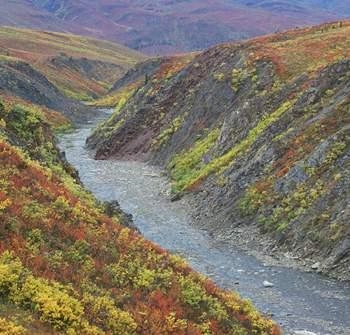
point(298, 300)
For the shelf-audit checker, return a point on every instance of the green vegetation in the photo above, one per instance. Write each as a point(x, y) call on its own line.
point(303, 50)
point(186, 170)
point(164, 136)
point(219, 76)
point(242, 74)
point(118, 98)
point(185, 166)
point(292, 206)
point(277, 210)
point(291, 90)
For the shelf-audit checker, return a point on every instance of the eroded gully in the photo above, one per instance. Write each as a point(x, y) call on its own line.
point(297, 300)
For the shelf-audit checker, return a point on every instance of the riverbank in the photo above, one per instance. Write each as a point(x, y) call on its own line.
point(250, 239)
point(297, 300)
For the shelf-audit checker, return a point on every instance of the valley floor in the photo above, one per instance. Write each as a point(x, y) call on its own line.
point(297, 300)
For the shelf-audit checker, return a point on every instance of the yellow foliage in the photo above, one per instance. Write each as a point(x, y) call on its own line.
point(10, 271)
point(2, 123)
point(5, 204)
point(109, 317)
point(175, 324)
point(52, 301)
point(9, 328)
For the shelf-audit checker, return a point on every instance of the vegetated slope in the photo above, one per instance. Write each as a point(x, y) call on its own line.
point(169, 26)
point(20, 80)
point(80, 67)
point(259, 131)
point(68, 268)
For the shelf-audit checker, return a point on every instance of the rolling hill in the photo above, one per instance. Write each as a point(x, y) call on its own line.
point(158, 27)
point(79, 67)
point(59, 70)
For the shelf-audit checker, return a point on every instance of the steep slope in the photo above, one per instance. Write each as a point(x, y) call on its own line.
point(166, 26)
point(67, 268)
point(259, 131)
point(20, 80)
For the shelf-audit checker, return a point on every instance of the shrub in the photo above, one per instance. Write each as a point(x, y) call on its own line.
point(9, 328)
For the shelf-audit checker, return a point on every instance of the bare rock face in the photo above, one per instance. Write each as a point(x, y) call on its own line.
point(113, 209)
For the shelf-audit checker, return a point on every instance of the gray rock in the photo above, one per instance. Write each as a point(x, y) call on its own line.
point(293, 178)
point(112, 208)
point(303, 332)
point(316, 266)
point(342, 251)
point(176, 197)
point(318, 156)
point(152, 175)
point(267, 284)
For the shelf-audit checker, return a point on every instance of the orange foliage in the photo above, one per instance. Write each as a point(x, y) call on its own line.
point(172, 65)
point(303, 50)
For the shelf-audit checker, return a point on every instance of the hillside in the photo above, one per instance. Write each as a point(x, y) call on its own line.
point(80, 67)
point(68, 268)
point(258, 133)
point(158, 27)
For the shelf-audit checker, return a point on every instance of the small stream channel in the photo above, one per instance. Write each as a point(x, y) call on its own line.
point(298, 300)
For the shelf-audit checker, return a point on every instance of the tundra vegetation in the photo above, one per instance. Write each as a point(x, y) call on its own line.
point(68, 268)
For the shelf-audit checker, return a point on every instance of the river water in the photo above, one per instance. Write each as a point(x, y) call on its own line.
point(297, 301)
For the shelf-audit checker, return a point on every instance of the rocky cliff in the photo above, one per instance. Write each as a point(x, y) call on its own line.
point(259, 133)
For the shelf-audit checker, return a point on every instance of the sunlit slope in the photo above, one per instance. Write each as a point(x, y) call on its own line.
point(80, 67)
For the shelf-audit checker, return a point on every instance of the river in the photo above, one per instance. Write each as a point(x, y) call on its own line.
point(297, 300)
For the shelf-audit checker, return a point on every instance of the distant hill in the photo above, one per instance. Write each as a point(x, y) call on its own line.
point(301, 6)
point(173, 25)
point(80, 67)
point(59, 70)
